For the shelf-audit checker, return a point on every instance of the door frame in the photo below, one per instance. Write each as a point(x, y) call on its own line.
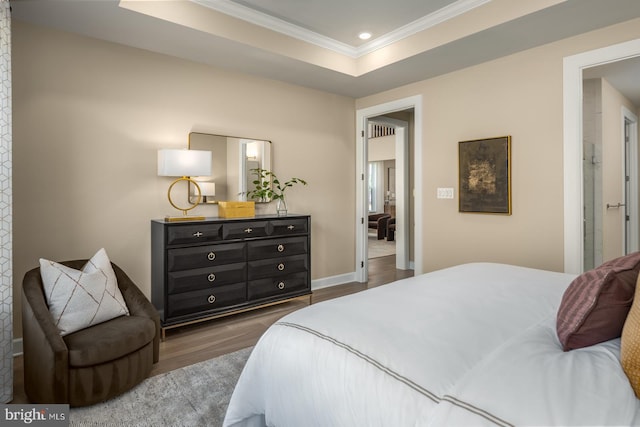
point(362, 116)
point(632, 202)
point(572, 145)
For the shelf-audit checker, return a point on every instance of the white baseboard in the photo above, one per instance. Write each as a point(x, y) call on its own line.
point(327, 282)
point(315, 284)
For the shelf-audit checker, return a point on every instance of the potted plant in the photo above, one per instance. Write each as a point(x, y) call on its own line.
point(268, 187)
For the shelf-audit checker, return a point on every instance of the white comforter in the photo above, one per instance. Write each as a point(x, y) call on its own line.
point(469, 345)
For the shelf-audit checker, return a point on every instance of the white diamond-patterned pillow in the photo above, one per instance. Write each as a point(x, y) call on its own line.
point(78, 299)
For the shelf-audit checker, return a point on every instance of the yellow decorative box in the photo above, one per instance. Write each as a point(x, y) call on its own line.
point(236, 209)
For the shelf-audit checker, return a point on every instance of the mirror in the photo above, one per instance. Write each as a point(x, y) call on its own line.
point(231, 164)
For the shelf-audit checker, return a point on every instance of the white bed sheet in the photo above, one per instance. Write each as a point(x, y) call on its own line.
point(469, 345)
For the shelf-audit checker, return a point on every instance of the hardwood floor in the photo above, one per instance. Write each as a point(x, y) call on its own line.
point(191, 344)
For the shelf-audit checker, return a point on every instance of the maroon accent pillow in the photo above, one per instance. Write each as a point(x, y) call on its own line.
point(595, 305)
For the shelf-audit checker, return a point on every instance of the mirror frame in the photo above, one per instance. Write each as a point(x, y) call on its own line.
point(243, 167)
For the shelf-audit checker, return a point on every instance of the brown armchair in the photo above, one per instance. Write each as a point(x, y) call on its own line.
point(93, 364)
point(379, 222)
point(391, 229)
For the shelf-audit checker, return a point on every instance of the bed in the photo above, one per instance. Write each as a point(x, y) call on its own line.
point(474, 344)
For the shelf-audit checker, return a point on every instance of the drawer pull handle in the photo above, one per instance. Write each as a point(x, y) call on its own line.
point(281, 266)
point(211, 299)
point(211, 256)
point(198, 234)
point(291, 227)
point(280, 248)
point(211, 277)
point(248, 230)
point(281, 285)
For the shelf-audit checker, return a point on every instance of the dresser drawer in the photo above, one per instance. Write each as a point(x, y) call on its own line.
point(206, 299)
point(269, 287)
point(219, 266)
point(205, 256)
point(206, 278)
point(190, 234)
point(277, 267)
point(283, 227)
point(245, 229)
point(278, 247)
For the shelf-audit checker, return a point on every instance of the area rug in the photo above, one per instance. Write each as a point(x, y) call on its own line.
point(379, 248)
point(195, 395)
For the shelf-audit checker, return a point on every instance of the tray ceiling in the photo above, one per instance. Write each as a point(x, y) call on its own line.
point(314, 43)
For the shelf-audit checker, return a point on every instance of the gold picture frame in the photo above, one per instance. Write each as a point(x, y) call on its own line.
point(484, 176)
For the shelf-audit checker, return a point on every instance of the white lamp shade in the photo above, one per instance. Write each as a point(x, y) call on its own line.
point(207, 188)
point(184, 162)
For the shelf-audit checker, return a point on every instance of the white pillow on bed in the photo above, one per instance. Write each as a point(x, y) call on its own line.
point(78, 299)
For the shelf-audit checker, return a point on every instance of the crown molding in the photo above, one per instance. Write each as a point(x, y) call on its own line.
point(276, 24)
point(451, 11)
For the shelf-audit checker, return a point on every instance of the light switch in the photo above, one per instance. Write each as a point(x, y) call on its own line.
point(445, 193)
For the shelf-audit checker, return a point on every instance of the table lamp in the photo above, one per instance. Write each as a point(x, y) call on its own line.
point(184, 164)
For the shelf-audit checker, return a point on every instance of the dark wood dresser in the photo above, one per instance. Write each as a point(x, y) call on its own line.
point(202, 270)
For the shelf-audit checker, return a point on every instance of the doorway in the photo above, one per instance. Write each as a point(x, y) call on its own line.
point(412, 203)
point(574, 207)
point(610, 214)
point(388, 171)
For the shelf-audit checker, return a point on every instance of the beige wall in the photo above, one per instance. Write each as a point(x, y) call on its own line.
point(89, 117)
point(519, 95)
point(382, 148)
point(592, 173)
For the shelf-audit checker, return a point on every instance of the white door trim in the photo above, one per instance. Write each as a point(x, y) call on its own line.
point(361, 224)
point(572, 148)
point(632, 202)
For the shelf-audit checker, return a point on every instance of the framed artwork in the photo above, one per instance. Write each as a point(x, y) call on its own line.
point(485, 175)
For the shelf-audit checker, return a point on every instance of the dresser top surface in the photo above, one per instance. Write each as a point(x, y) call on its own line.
point(249, 218)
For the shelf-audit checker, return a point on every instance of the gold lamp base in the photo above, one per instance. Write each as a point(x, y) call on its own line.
point(185, 216)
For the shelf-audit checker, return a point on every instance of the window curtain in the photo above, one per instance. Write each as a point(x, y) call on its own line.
point(376, 187)
point(6, 275)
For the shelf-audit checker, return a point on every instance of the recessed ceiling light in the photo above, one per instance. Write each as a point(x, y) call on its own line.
point(364, 36)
